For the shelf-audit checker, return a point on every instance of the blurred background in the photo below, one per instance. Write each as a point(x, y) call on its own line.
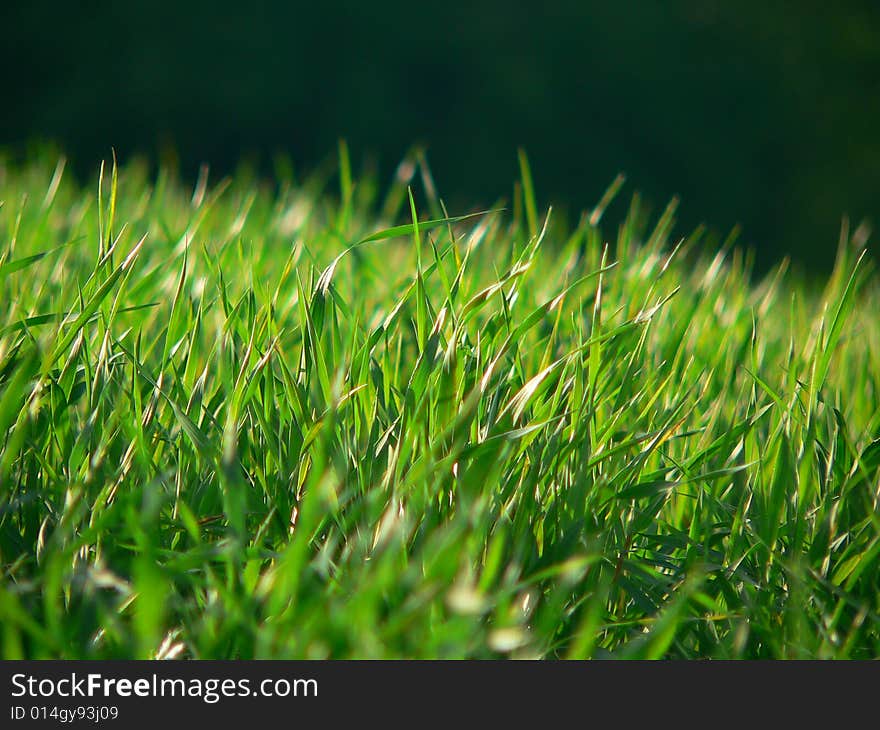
point(758, 114)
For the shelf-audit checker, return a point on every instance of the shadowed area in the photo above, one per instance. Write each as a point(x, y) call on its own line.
point(751, 114)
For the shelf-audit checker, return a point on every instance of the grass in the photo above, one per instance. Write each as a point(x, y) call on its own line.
point(281, 419)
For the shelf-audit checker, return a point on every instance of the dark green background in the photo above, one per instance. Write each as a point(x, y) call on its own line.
point(759, 113)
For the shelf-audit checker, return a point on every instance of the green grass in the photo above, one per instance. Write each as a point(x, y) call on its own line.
point(281, 419)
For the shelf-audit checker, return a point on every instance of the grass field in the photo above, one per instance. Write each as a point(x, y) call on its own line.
point(277, 418)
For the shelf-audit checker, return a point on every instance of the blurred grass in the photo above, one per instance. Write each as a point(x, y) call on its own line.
point(273, 419)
